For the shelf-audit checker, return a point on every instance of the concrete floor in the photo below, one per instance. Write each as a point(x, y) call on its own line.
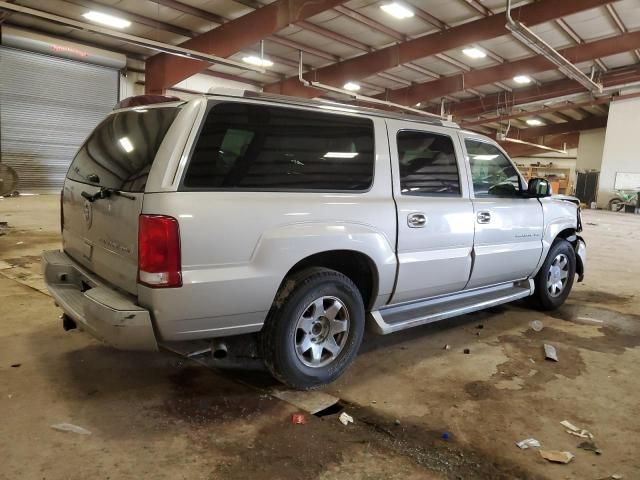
point(156, 415)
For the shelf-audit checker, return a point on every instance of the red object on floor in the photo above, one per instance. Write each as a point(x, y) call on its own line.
point(298, 419)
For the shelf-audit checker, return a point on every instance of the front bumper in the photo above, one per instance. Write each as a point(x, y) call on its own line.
point(581, 258)
point(102, 311)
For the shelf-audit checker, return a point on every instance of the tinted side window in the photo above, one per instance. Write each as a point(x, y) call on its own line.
point(427, 164)
point(492, 173)
point(120, 151)
point(247, 146)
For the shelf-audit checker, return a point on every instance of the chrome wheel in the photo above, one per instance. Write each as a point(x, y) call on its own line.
point(558, 275)
point(321, 332)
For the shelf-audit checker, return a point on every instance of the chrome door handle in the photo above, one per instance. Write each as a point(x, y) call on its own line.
point(484, 217)
point(416, 220)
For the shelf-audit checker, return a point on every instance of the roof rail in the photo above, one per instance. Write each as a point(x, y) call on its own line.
point(323, 103)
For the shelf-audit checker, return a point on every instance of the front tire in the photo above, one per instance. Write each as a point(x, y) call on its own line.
point(314, 329)
point(555, 278)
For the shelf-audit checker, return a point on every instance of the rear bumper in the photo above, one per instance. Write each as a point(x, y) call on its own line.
point(100, 310)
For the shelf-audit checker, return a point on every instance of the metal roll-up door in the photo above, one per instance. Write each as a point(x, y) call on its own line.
point(48, 106)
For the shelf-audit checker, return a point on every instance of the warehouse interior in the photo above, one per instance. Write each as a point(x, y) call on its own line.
point(555, 83)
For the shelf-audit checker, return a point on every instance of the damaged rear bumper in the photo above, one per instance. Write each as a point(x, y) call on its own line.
point(98, 309)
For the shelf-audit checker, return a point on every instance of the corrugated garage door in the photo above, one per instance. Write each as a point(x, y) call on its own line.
point(48, 106)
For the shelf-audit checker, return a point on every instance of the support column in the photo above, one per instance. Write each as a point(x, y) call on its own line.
point(620, 154)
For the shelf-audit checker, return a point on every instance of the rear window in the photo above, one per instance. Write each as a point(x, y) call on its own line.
point(257, 147)
point(120, 151)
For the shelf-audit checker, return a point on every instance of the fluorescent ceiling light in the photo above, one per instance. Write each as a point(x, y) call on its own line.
point(351, 86)
point(484, 157)
point(126, 144)
point(257, 61)
point(523, 79)
point(474, 52)
point(397, 10)
point(340, 155)
point(534, 122)
point(108, 20)
point(419, 104)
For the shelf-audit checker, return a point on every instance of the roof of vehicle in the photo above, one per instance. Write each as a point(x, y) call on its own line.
point(329, 104)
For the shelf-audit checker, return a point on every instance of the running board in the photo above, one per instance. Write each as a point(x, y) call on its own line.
point(400, 317)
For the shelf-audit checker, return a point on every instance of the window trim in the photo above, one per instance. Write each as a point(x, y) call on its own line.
point(457, 163)
point(472, 190)
point(211, 104)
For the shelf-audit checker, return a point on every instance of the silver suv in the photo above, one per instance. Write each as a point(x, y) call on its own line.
point(290, 223)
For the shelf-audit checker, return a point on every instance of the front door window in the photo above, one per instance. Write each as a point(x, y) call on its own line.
point(492, 173)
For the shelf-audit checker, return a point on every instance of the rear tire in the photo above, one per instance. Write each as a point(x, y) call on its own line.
point(616, 205)
point(314, 329)
point(555, 279)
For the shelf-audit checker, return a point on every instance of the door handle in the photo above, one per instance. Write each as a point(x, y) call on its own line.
point(484, 217)
point(416, 220)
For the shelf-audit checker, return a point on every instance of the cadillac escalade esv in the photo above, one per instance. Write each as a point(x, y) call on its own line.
point(294, 223)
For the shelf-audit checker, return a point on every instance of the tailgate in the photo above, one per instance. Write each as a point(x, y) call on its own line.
point(103, 235)
point(100, 231)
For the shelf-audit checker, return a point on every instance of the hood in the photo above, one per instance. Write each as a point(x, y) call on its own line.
point(567, 198)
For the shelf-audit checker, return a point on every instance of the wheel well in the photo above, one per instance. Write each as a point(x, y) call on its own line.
point(355, 265)
point(568, 234)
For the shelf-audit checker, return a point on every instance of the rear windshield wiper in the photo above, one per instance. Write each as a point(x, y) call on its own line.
point(106, 192)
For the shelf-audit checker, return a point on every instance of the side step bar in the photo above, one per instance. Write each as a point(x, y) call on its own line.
point(400, 317)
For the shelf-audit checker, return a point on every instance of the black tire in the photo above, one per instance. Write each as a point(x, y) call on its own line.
point(280, 337)
point(544, 296)
point(616, 205)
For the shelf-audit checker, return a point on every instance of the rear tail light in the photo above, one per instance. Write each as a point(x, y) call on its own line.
point(159, 252)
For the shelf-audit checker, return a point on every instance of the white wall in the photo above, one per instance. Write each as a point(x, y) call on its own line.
point(590, 148)
point(621, 152)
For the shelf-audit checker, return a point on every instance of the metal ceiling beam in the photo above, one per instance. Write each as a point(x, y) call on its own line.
point(218, 19)
point(563, 116)
point(616, 18)
point(338, 37)
point(305, 48)
point(375, 25)
point(479, 8)
point(355, 15)
point(590, 123)
point(249, 3)
point(594, 102)
point(205, 15)
point(549, 91)
point(455, 37)
point(191, 10)
point(527, 66)
point(570, 140)
point(164, 71)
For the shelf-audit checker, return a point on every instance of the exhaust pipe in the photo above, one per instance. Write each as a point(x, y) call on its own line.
point(220, 350)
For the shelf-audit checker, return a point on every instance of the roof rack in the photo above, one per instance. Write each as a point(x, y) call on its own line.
point(331, 105)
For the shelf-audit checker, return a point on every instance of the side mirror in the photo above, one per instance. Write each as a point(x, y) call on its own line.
point(539, 187)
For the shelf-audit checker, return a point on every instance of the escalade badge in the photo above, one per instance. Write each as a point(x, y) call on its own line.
point(87, 211)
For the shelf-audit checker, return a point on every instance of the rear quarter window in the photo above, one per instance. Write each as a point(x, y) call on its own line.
point(120, 151)
point(256, 147)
